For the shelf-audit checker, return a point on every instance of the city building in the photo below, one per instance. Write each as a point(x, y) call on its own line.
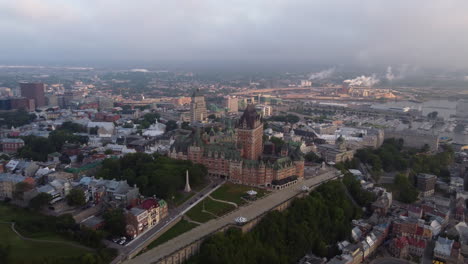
point(335, 153)
point(8, 183)
point(443, 248)
point(399, 247)
point(34, 91)
point(232, 104)
point(462, 109)
point(198, 107)
point(414, 139)
point(265, 110)
point(105, 103)
point(238, 154)
point(426, 184)
point(137, 221)
point(11, 145)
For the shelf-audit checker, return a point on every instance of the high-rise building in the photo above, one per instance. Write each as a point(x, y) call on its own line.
point(105, 103)
point(462, 109)
point(250, 133)
point(426, 184)
point(265, 110)
point(197, 107)
point(232, 104)
point(34, 91)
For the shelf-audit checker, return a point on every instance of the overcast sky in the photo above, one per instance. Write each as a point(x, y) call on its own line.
point(365, 32)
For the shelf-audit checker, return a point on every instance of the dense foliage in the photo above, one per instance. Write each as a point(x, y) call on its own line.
point(407, 193)
point(39, 201)
point(312, 157)
point(37, 148)
point(147, 120)
point(153, 174)
point(171, 125)
point(76, 197)
point(16, 118)
point(30, 223)
point(315, 223)
point(392, 157)
point(361, 196)
point(115, 222)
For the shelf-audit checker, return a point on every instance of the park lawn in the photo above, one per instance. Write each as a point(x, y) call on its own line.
point(197, 215)
point(181, 227)
point(32, 251)
point(217, 208)
point(234, 192)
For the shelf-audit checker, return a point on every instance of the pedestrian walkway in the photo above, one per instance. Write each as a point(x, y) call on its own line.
point(222, 201)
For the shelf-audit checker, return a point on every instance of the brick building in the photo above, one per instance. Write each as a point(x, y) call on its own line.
point(238, 155)
point(34, 91)
point(11, 145)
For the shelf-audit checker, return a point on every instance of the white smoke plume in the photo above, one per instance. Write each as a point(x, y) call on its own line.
point(390, 76)
point(363, 81)
point(322, 74)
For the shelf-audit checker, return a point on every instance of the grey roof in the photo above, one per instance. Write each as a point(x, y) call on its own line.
point(8, 177)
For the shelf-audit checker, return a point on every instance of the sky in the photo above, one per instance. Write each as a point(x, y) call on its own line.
point(429, 33)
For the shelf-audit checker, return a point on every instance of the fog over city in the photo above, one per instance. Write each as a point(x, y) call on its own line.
point(332, 32)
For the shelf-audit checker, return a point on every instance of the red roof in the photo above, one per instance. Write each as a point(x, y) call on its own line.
point(400, 242)
point(417, 242)
point(30, 180)
point(419, 230)
point(149, 204)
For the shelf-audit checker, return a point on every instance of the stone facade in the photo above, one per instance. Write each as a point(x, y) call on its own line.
point(238, 155)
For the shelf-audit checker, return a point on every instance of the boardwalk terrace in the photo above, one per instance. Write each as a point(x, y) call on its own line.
point(239, 155)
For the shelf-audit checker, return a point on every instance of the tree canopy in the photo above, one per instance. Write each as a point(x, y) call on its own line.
point(153, 174)
point(39, 201)
point(314, 223)
point(115, 222)
point(76, 197)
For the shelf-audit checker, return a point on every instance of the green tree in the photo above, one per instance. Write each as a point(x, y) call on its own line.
point(115, 222)
point(20, 189)
point(171, 125)
point(432, 115)
point(80, 158)
point(39, 201)
point(108, 152)
point(76, 197)
point(5, 252)
point(312, 157)
point(185, 125)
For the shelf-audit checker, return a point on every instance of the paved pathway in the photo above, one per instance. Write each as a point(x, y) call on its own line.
point(222, 201)
point(249, 211)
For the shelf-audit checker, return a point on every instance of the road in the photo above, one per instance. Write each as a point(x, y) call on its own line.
point(250, 211)
point(174, 213)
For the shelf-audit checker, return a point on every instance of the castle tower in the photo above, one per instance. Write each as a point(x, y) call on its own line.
point(250, 133)
point(187, 184)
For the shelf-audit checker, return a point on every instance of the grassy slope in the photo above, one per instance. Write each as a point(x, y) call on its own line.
point(30, 251)
point(233, 192)
point(181, 227)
